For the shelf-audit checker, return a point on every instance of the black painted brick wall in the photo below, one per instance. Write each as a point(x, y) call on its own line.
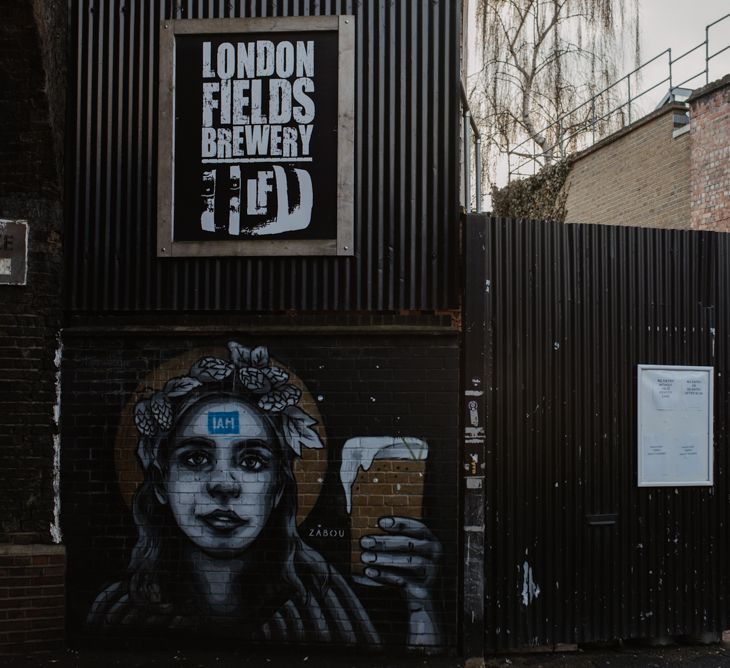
point(27, 161)
point(31, 316)
point(31, 571)
point(32, 605)
point(365, 385)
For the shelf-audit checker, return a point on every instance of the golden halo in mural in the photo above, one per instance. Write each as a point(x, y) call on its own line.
point(309, 469)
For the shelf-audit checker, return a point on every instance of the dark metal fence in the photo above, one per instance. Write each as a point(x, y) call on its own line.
point(576, 552)
point(407, 145)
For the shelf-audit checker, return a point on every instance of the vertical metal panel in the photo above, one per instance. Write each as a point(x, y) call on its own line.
point(574, 310)
point(476, 372)
point(407, 70)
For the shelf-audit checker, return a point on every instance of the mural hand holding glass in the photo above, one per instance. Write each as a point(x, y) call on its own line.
point(404, 553)
point(216, 513)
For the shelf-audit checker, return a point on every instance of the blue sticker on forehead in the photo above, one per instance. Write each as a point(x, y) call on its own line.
point(223, 422)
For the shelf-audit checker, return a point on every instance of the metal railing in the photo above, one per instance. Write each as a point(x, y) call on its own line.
point(586, 133)
point(470, 135)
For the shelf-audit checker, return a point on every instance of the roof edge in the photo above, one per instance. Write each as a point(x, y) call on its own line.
point(667, 108)
point(709, 88)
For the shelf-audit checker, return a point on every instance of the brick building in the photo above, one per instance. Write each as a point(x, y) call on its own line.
point(32, 92)
point(710, 156)
point(669, 169)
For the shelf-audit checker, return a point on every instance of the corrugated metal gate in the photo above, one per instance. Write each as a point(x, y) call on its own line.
point(575, 551)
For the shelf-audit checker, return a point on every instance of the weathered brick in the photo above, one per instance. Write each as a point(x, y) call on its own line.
point(30, 189)
point(710, 172)
point(643, 176)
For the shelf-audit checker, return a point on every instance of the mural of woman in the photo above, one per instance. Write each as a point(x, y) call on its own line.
point(218, 547)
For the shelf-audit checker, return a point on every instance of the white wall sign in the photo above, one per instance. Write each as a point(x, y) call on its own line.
point(675, 425)
point(13, 252)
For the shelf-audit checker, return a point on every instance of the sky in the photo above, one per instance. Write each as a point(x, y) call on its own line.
point(680, 25)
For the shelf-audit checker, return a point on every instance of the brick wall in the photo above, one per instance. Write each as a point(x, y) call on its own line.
point(30, 189)
point(31, 584)
point(710, 162)
point(638, 177)
point(360, 385)
point(32, 605)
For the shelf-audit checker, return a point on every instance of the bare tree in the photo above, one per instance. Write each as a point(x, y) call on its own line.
point(540, 60)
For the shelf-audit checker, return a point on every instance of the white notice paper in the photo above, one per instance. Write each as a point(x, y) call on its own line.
point(665, 391)
point(675, 425)
point(694, 393)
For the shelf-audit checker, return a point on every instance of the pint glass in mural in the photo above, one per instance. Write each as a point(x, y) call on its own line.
point(382, 478)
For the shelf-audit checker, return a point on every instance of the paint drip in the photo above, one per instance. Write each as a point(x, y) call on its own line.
point(359, 453)
point(530, 589)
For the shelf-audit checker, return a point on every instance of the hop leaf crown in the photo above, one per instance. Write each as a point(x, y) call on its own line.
point(267, 387)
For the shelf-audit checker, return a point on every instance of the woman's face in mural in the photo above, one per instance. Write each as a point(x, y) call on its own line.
point(222, 475)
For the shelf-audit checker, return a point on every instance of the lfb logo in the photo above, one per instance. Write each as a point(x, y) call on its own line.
point(272, 200)
point(223, 423)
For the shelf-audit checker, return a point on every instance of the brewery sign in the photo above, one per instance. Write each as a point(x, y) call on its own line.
point(256, 137)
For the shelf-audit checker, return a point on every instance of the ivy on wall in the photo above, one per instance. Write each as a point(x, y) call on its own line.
point(539, 197)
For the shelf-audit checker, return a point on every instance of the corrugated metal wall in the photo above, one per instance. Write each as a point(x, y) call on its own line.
point(407, 113)
point(571, 311)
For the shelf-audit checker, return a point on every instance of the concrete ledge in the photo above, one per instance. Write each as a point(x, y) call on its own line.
point(709, 88)
point(474, 662)
point(31, 550)
point(672, 107)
